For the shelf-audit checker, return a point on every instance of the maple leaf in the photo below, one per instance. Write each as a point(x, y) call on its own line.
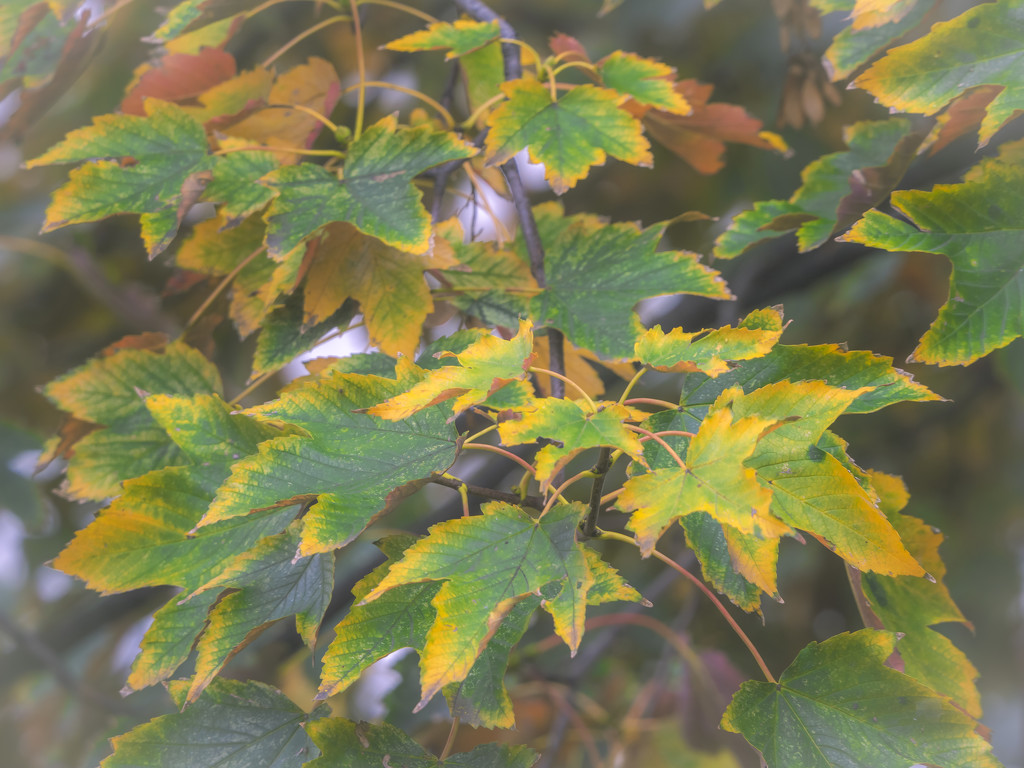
point(171, 167)
point(811, 488)
point(852, 46)
point(927, 74)
point(977, 225)
point(488, 564)
point(575, 428)
point(169, 640)
point(389, 285)
point(699, 136)
point(236, 723)
point(838, 704)
point(597, 272)
point(272, 584)
point(346, 744)
point(707, 351)
point(178, 77)
point(227, 102)
point(106, 392)
point(713, 479)
point(351, 466)
point(234, 184)
point(487, 367)
point(912, 606)
point(374, 192)
point(569, 135)
point(647, 81)
point(457, 38)
point(837, 188)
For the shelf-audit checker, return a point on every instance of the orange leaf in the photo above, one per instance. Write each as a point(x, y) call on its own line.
point(178, 77)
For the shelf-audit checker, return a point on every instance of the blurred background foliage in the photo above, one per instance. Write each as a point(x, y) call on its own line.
point(64, 651)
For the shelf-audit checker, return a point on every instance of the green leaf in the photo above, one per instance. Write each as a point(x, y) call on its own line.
point(458, 38)
point(575, 426)
point(882, 384)
point(597, 272)
point(234, 184)
point(838, 704)
point(852, 47)
point(110, 390)
point(488, 564)
point(346, 744)
point(284, 334)
point(978, 225)
point(646, 81)
point(707, 351)
point(811, 489)
point(374, 192)
point(569, 135)
point(171, 166)
point(234, 725)
point(488, 367)
point(350, 467)
point(982, 46)
point(837, 188)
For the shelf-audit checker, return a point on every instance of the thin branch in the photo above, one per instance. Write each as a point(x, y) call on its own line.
point(488, 493)
point(600, 471)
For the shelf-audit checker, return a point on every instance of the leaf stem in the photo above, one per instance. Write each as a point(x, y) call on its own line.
point(326, 121)
point(632, 383)
point(567, 380)
point(570, 64)
point(557, 493)
point(451, 740)
point(302, 36)
point(449, 481)
point(501, 452)
point(292, 150)
point(444, 113)
point(657, 438)
point(222, 285)
point(537, 61)
point(357, 32)
point(470, 121)
point(480, 434)
point(613, 536)
point(652, 401)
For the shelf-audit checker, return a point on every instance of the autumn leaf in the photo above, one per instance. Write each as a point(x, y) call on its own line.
point(171, 167)
point(595, 278)
point(927, 74)
point(646, 81)
point(699, 135)
point(458, 38)
point(838, 704)
point(811, 489)
point(711, 479)
point(977, 226)
point(374, 192)
point(489, 563)
point(486, 367)
point(708, 351)
point(575, 427)
point(837, 188)
point(236, 723)
point(178, 77)
point(349, 466)
point(106, 391)
point(234, 184)
point(388, 283)
point(346, 744)
point(568, 135)
point(227, 101)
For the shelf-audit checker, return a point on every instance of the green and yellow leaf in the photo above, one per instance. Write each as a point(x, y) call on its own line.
point(647, 81)
point(458, 38)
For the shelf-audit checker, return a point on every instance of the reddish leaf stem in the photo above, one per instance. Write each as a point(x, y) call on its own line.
point(652, 401)
point(658, 439)
point(501, 452)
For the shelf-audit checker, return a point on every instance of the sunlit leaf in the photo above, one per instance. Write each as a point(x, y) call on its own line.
point(485, 367)
point(171, 164)
point(646, 81)
point(927, 74)
point(346, 744)
point(837, 188)
point(374, 192)
point(569, 135)
point(976, 224)
point(838, 704)
point(237, 724)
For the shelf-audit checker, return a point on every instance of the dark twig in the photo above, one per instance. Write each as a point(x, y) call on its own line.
point(531, 236)
point(600, 472)
point(512, 498)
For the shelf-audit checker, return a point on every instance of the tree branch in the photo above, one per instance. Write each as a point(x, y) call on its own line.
point(489, 493)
